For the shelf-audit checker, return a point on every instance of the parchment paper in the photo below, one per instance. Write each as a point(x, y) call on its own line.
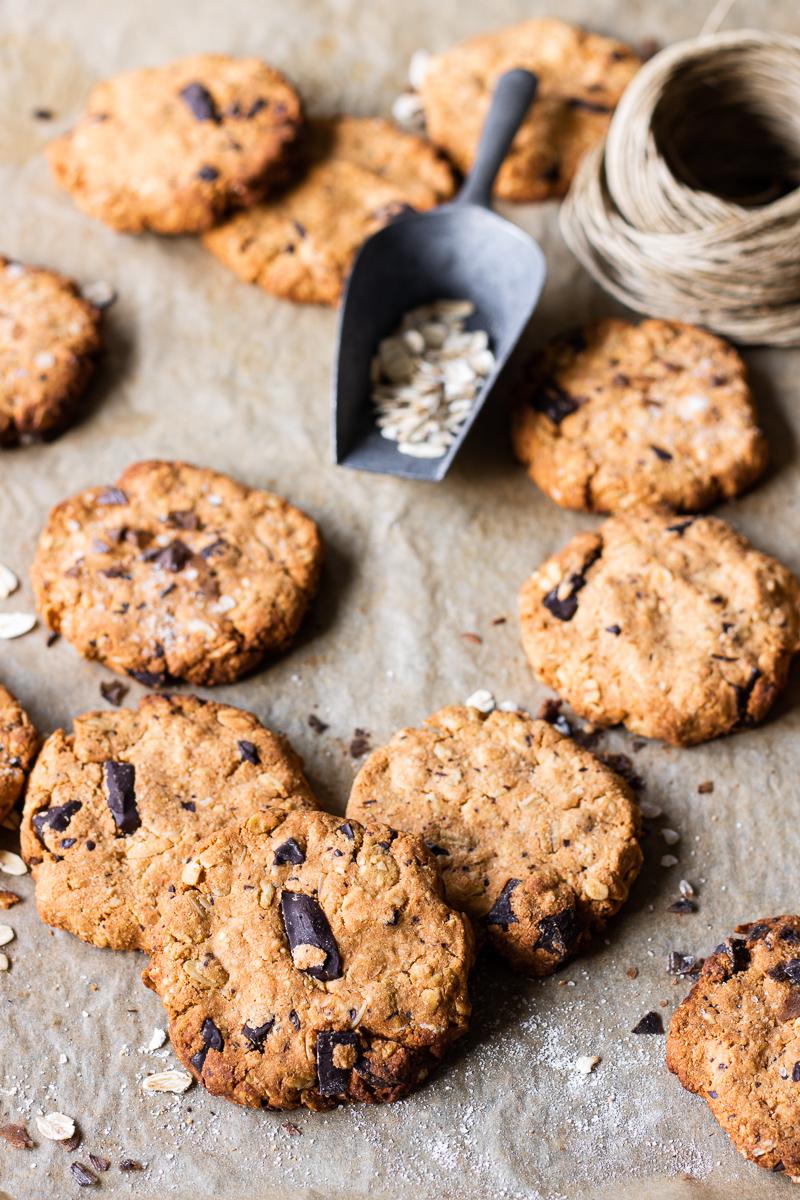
point(199, 366)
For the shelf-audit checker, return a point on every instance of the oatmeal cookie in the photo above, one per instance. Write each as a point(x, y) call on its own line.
point(18, 745)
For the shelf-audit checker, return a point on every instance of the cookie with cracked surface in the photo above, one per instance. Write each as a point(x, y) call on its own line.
point(619, 415)
point(581, 79)
point(19, 742)
point(49, 340)
point(115, 809)
point(735, 1041)
point(673, 626)
point(536, 840)
point(312, 963)
point(359, 174)
point(176, 572)
point(172, 148)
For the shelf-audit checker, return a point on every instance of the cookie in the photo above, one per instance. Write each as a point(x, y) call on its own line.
point(617, 416)
point(49, 340)
point(581, 79)
point(115, 809)
point(735, 1041)
point(675, 627)
point(176, 572)
point(172, 148)
point(18, 745)
point(311, 963)
point(536, 840)
point(359, 174)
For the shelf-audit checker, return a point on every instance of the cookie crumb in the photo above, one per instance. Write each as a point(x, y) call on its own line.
point(17, 1136)
point(587, 1063)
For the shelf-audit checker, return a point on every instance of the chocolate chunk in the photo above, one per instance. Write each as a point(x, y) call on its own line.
point(591, 106)
point(681, 964)
point(189, 805)
point(67, 843)
point(664, 455)
point(295, 1020)
point(256, 1035)
point(615, 629)
point(211, 1035)
point(559, 932)
point(156, 679)
point(682, 906)
point(256, 107)
point(121, 795)
point(173, 557)
point(360, 744)
point(217, 547)
point(333, 1080)
point(83, 1174)
point(56, 818)
point(796, 1073)
point(787, 972)
point(99, 1163)
point(289, 852)
point(438, 851)
point(744, 692)
point(501, 912)
point(114, 691)
point(249, 752)
point(183, 518)
point(306, 925)
point(650, 1023)
point(17, 1136)
point(565, 607)
point(756, 932)
point(112, 495)
point(315, 723)
point(737, 953)
point(208, 173)
point(789, 934)
point(554, 402)
point(680, 527)
point(347, 830)
point(200, 102)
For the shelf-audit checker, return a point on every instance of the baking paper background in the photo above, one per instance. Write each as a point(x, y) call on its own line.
point(200, 366)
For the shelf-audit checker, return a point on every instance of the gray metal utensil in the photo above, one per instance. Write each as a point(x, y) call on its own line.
point(461, 251)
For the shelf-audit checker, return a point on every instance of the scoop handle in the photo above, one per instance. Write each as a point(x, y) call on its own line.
point(513, 96)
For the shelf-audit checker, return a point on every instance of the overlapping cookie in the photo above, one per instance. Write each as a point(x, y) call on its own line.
point(537, 841)
point(19, 742)
point(115, 809)
point(49, 340)
point(359, 174)
point(674, 626)
point(176, 572)
point(311, 963)
point(735, 1041)
point(172, 148)
point(620, 415)
point(581, 79)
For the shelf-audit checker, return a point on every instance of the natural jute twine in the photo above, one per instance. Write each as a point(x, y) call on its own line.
point(691, 208)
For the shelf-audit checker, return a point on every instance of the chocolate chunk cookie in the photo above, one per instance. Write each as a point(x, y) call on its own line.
point(735, 1041)
point(360, 173)
point(581, 79)
point(114, 810)
point(311, 963)
point(619, 415)
point(171, 148)
point(176, 572)
point(49, 340)
point(675, 626)
point(536, 840)
point(18, 745)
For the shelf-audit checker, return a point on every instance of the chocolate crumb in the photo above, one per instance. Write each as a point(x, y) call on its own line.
point(706, 787)
point(99, 1163)
point(316, 724)
point(71, 1143)
point(83, 1174)
point(249, 752)
point(632, 972)
point(43, 114)
point(290, 1128)
point(360, 744)
point(650, 1023)
point(682, 906)
point(130, 1164)
point(114, 691)
point(52, 638)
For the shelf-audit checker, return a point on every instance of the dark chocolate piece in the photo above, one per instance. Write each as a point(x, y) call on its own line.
point(650, 1023)
point(121, 795)
point(333, 1080)
point(249, 752)
point(559, 932)
point(554, 402)
point(56, 818)
point(200, 102)
point(501, 912)
point(289, 852)
point(256, 1035)
point(306, 925)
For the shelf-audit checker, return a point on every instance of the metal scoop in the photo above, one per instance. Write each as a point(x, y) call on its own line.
point(460, 251)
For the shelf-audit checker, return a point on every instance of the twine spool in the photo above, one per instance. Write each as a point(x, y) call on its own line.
point(690, 210)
